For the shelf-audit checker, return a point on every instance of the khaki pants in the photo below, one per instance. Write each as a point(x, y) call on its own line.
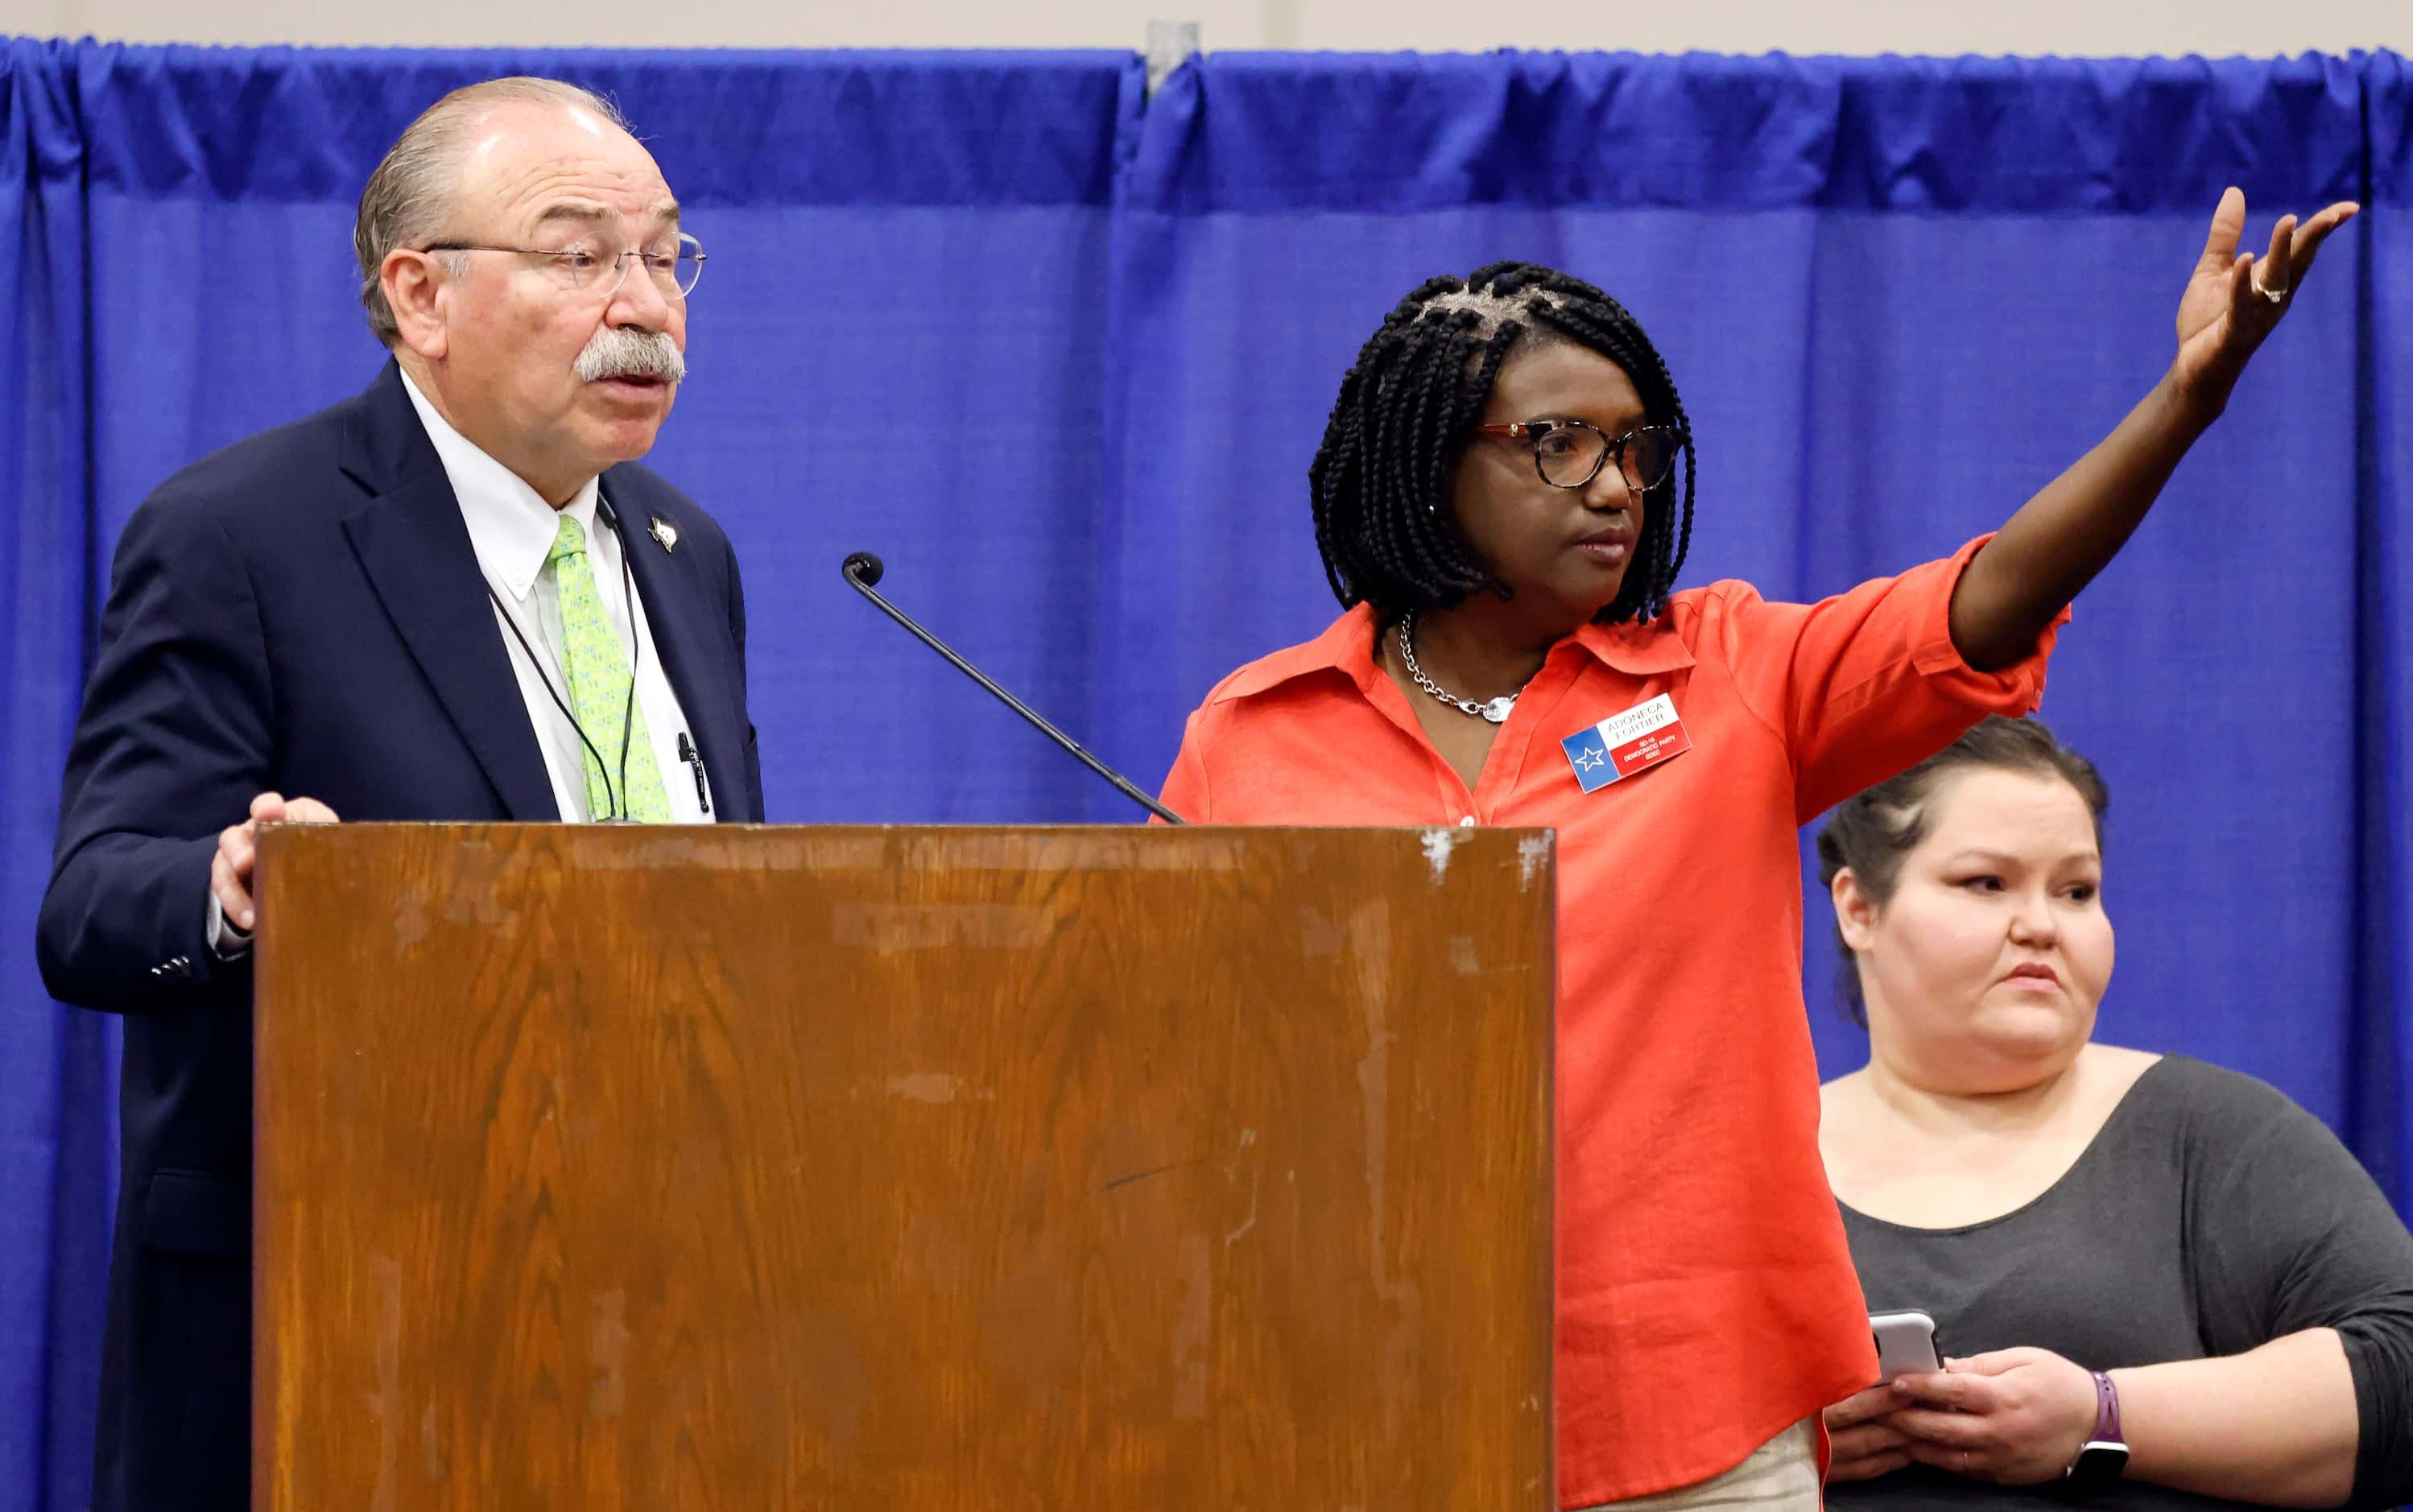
point(1781, 1476)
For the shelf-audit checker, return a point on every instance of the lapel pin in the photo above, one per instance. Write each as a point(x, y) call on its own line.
point(666, 533)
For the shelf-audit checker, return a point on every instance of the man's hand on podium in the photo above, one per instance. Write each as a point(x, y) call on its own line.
point(230, 872)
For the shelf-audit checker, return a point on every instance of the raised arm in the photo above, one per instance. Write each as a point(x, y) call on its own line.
point(2059, 539)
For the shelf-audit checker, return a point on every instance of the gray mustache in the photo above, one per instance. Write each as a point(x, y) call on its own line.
point(614, 353)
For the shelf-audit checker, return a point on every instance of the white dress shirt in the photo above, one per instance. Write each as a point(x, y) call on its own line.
point(511, 528)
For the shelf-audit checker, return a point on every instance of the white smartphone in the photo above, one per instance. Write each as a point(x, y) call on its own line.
point(1905, 1345)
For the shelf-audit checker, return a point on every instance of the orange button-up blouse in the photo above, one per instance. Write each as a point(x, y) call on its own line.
point(1705, 1300)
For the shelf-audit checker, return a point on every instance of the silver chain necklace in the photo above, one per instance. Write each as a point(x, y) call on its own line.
point(1496, 711)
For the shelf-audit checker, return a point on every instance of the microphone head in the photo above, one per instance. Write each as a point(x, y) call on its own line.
point(864, 568)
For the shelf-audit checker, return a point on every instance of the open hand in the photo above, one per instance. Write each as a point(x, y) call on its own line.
point(238, 846)
point(2015, 1417)
point(2234, 299)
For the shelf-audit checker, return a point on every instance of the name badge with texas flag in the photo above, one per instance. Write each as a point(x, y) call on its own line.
point(1623, 744)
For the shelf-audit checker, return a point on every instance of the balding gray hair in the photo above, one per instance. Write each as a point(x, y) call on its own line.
point(409, 198)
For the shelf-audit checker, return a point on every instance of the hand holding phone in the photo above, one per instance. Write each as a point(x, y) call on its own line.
point(1905, 1345)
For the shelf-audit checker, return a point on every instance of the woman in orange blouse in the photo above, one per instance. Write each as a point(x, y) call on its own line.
point(1497, 508)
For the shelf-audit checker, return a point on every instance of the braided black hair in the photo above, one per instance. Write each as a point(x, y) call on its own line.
point(1380, 479)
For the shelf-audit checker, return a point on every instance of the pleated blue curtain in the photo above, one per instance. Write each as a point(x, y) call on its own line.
point(1061, 356)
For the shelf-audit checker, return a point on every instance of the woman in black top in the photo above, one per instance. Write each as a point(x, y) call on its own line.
point(2162, 1284)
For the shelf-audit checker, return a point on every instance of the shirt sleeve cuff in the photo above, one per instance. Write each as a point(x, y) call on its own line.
point(226, 942)
point(2015, 689)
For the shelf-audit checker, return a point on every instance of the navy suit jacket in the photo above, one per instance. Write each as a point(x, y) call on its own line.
point(301, 612)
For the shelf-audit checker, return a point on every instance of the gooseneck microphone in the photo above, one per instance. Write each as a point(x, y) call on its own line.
point(861, 570)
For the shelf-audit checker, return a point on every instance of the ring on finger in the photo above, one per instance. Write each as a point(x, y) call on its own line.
point(2277, 296)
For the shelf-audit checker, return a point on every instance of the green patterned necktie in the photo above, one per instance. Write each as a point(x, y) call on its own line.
point(600, 683)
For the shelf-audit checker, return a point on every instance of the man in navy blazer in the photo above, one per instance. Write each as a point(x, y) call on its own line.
point(447, 597)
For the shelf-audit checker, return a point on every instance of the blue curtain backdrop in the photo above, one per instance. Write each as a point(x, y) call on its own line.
point(1062, 354)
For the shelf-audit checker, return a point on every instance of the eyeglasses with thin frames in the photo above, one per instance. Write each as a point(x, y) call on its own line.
point(583, 270)
point(1569, 453)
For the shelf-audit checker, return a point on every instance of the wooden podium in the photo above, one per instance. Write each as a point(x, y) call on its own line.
point(651, 1169)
